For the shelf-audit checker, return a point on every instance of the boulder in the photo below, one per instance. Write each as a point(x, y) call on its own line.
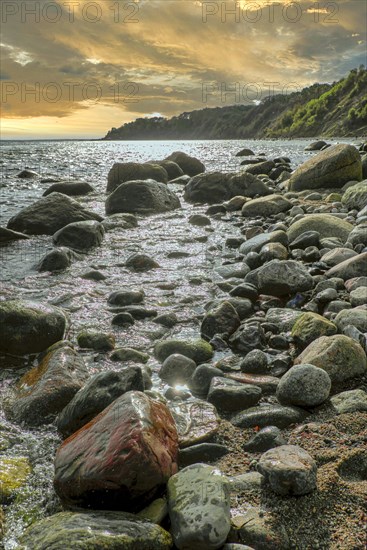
point(47, 388)
point(265, 439)
point(266, 206)
point(94, 339)
point(122, 172)
point(120, 459)
point(340, 356)
point(222, 320)
point(269, 415)
point(280, 278)
point(256, 243)
point(329, 169)
point(98, 393)
point(289, 470)
point(172, 168)
point(57, 259)
point(231, 396)
point(326, 225)
point(214, 187)
point(263, 167)
point(203, 452)
point(304, 386)
point(356, 317)
point(141, 262)
point(26, 174)
point(311, 326)
point(49, 214)
point(126, 297)
point(189, 165)
point(177, 369)
point(248, 336)
point(358, 235)
point(70, 188)
point(142, 197)
point(80, 236)
point(350, 401)
point(356, 266)
point(316, 145)
point(245, 153)
point(337, 256)
point(99, 530)
point(199, 508)
point(29, 327)
point(196, 421)
point(14, 472)
point(197, 350)
point(356, 196)
point(7, 235)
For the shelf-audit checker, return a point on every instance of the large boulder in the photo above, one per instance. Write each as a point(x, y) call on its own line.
point(46, 389)
point(29, 327)
point(199, 508)
point(189, 165)
point(7, 235)
point(99, 392)
point(310, 326)
point(142, 197)
point(213, 187)
point(172, 168)
point(49, 214)
point(92, 530)
point(129, 171)
point(80, 236)
point(57, 259)
point(266, 206)
point(280, 278)
point(326, 225)
point(333, 167)
point(121, 458)
point(340, 356)
point(70, 188)
point(356, 196)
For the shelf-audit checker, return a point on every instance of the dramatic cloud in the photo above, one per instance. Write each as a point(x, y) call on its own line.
point(79, 67)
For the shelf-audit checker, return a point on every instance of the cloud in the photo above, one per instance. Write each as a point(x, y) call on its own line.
point(143, 57)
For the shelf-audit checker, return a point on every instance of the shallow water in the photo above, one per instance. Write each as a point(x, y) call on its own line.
point(181, 285)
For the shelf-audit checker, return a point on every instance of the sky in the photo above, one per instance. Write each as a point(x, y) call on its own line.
point(76, 68)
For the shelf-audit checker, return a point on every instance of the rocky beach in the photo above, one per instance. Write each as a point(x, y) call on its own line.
point(183, 346)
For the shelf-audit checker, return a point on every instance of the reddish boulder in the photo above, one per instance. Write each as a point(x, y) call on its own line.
point(121, 458)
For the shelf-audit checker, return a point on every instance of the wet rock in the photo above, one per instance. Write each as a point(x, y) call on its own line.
point(245, 153)
point(304, 385)
point(196, 421)
point(255, 362)
point(7, 235)
point(238, 270)
point(99, 341)
point(126, 297)
point(356, 317)
point(127, 472)
point(199, 508)
point(177, 369)
point(280, 277)
point(268, 415)
point(235, 203)
point(264, 167)
point(138, 312)
point(141, 197)
point(273, 251)
point(358, 236)
point(58, 259)
point(356, 196)
point(259, 530)
point(200, 381)
point(181, 180)
point(248, 337)
point(265, 439)
point(340, 356)
point(80, 236)
point(29, 327)
point(350, 268)
point(331, 168)
point(358, 297)
point(266, 206)
point(267, 384)
point(172, 168)
point(27, 174)
point(250, 481)
point(326, 225)
point(222, 320)
point(14, 473)
point(129, 354)
point(94, 275)
point(141, 262)
point(49, 214)
point(316, 145)
point(98, 393)
point(120, 221)
point(156, 511)
point(284, 318)
point(122, 172)
point(72, 189)
point(197, 350)
point(289, 470)
point(189, 165)
point(100, 529)
point(168, 320)
point(46, 389)
point(245, 291)
point(306, 239)
point(214, 187)
point(350, 401)
point(199, 220)
point(231, 396)
point(310, 326)
point(203, 452)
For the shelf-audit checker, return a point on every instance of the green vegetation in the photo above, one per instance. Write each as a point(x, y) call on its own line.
point(338, 109)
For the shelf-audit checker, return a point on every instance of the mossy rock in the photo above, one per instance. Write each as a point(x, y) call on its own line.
point(356, 196)
point(311, 326)
point(97, 530)
point(129, 354)
point(99, 341)
point(333, 197)
point(197, 350)
point(13, 475)
point(326, 225)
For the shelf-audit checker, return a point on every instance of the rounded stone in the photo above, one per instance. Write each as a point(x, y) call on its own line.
point(304, 386)
point(177, 368)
